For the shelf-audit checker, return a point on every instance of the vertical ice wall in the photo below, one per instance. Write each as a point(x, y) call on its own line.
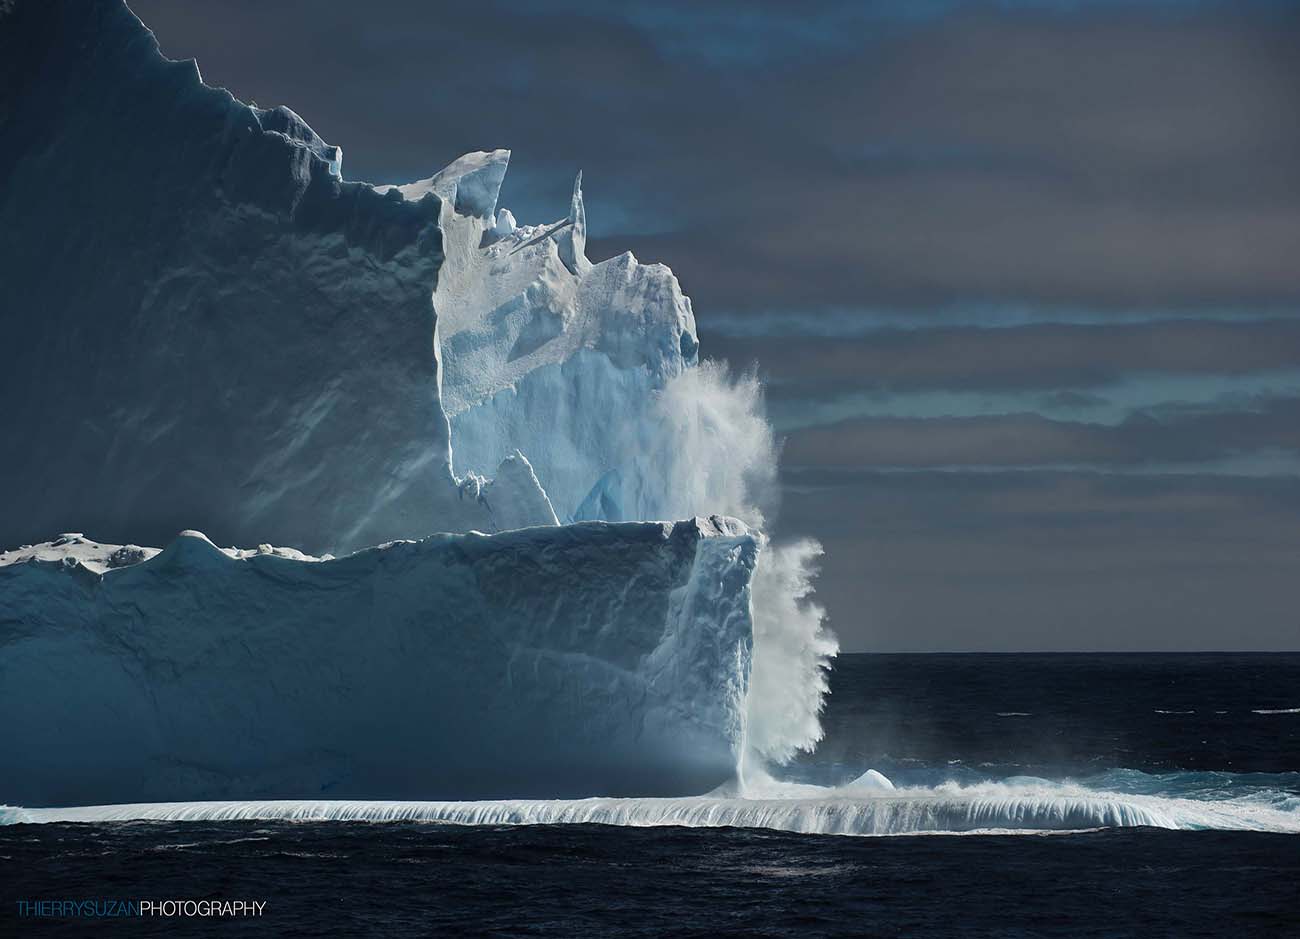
point(561, 661)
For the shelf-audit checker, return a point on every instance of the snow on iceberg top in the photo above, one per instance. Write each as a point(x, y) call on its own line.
point(75, 550)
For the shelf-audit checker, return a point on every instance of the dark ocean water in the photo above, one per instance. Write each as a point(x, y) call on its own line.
point(963, 716)
point(1167, 724)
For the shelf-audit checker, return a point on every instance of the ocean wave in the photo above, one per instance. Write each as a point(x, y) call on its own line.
point(1015, 806)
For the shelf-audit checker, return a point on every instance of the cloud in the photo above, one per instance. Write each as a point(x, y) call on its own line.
point(1056, 561)
point(1029, 440)
point(1124, 157)
point(1032, 356)
point(1160, 397)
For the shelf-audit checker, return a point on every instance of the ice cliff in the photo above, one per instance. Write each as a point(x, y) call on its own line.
point(209, 327)
point(590, 659)
point(532, 334)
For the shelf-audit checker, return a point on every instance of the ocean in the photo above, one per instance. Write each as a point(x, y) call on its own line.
point(1061, 778)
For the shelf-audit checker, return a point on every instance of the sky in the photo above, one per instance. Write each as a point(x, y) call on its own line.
point(1023, 278)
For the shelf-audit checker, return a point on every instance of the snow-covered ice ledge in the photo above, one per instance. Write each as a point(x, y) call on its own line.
point(563, 661)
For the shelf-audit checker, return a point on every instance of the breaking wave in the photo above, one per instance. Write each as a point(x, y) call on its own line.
point(865, 807)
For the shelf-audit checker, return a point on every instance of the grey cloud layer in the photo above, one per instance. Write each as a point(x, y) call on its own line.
point(1016, 440)
point(1059, 561)
point(1034, 356)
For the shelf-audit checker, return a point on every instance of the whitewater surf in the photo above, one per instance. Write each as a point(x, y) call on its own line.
point(869, 807)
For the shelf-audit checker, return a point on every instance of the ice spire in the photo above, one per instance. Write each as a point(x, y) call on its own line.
point(572, 238)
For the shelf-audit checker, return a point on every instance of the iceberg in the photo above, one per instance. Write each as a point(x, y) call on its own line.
point(590, 659)
point(211, 328)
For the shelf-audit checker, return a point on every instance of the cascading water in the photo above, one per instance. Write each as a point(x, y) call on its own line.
point(792, 653)
point(707, 442)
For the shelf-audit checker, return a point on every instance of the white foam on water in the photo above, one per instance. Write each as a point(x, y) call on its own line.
point(864, 807)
